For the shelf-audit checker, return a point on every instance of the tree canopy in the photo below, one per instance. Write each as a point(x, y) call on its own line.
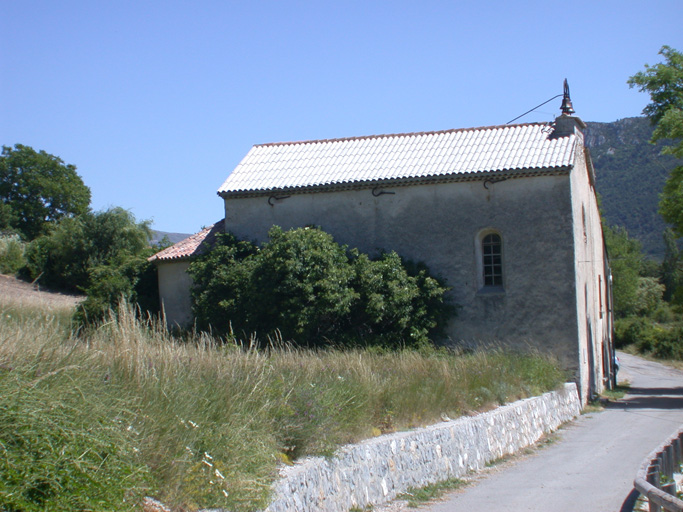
point(36, 189)
point(664, 83)
point(66, 257)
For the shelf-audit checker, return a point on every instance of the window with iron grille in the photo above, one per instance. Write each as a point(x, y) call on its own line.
point(492, 255)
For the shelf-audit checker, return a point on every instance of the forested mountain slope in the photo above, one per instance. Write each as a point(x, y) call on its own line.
point(630, 174)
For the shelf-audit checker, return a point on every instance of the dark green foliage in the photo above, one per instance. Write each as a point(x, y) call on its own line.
point(305, 287)
point(626, 261)
point(8, 219)
point(399, 302)
point(221, 279)
point(664, 83)
point(131, 280)
point(671, 272)
point(299, 285)
point(671, 203)
point(647, 336)
point(146, 283)
point(65, 257)
point(102, 254)
point(37, 189)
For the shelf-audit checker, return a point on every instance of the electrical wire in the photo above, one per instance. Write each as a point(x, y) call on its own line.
point(528, 111)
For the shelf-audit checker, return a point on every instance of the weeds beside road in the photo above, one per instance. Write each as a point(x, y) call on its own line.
point(100, 419)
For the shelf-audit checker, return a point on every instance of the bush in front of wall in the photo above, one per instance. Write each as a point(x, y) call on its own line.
point(304, 287)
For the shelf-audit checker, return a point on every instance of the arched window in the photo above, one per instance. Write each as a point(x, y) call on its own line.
point(492, 260)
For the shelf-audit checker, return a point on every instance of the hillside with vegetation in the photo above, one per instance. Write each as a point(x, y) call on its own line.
point(630, 175)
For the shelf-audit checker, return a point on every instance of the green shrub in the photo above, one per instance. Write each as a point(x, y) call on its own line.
point(132, 280)
point(67, 255)
point(102, 254)
point(649, 295)
point(627, 331)
point(304, 287)
point(664, 314)
point(221, 279)
point(669, 343)
point(649, 337)
point(399, 303)
point(299, 284)
point(11, 254)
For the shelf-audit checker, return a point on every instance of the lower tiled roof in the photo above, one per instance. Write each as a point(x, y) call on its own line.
point(191, 246)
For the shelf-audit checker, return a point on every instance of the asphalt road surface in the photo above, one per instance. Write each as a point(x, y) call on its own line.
point(592, 464)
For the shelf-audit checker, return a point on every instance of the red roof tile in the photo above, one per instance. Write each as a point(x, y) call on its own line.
point(193, 245)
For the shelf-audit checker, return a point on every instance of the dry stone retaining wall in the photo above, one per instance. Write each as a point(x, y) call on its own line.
point(377, 470)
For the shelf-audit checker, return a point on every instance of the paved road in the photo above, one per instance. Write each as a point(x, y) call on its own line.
point(592, 465)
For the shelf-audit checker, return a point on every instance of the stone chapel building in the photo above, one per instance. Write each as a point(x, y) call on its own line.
point(507, 215)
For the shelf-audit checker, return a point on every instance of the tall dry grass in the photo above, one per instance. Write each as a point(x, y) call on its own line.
point(98, 419)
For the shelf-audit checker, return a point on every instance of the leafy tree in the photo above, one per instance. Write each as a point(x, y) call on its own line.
point(300, 284)
point(664, 83)
point(37, 189)
point(130, 278)
point(671, 200)
point(66, 256)
point(297, 284)
point(307, 288)
point(648, 295)
point(8, 219)
point(671, 275)
point(11, 254)
point(626, 260)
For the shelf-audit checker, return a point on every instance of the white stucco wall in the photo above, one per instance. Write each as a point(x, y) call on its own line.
point(591, 279)
point(174, 292)
point(440, 225)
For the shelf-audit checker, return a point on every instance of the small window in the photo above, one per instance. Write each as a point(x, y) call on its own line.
point(492, 259)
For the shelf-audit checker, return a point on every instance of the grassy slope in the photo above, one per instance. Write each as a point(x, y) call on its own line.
point(100, 420)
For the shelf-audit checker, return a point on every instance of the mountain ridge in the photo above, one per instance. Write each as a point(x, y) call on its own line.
point(630, 175)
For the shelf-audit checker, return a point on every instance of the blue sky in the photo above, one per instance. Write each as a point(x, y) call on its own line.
point(156, 102)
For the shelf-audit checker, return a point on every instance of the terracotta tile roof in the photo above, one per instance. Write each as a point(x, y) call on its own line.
point(191, 246)
point(406, 156)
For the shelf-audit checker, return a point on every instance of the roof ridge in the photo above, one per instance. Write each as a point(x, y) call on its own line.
point(402, 134)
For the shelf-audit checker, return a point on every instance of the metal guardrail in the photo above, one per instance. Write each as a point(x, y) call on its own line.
point(654, 479)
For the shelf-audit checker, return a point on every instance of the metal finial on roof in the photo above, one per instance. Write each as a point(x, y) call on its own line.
point(566, 107)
